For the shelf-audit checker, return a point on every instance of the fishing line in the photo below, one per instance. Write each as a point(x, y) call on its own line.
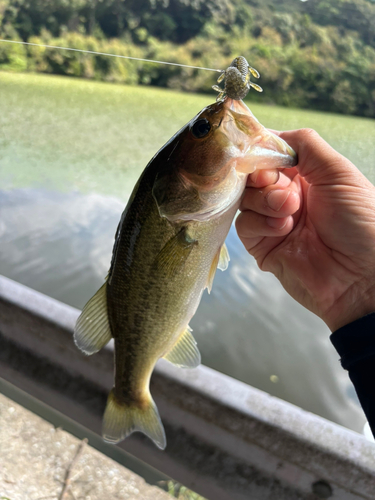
point(111, 55)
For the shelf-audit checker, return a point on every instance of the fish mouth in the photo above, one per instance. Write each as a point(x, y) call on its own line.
point(257, 147)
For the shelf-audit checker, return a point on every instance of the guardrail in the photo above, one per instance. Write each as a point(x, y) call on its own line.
point(226, 440)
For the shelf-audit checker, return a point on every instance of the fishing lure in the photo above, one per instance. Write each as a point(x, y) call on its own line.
point(237, 76)
point(237, 80)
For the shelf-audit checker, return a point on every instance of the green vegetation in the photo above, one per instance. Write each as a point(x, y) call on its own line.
point(317, 54)
point(71, 134)
point(177, 490)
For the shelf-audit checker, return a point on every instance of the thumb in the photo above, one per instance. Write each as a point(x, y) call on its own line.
point(318, 162)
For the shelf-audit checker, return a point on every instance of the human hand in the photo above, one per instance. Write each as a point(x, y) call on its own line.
point(313, 226)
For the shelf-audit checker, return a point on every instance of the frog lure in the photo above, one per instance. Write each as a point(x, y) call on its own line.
point(236, 77)
point(237, 80)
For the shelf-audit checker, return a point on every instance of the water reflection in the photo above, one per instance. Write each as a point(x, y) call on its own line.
point(249, 328)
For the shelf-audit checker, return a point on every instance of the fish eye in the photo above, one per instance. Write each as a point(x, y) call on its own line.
point(201, 128)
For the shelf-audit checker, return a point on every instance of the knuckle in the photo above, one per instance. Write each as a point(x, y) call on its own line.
point(308, 133)
point(247, 202)
point(247, 224)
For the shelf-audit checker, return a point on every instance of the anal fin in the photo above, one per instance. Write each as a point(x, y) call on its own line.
point(92, 330)
point(185, 353)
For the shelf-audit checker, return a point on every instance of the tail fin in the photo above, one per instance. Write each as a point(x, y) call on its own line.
point(120, 420)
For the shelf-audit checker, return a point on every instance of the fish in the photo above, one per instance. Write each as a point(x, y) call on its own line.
point(169, 242)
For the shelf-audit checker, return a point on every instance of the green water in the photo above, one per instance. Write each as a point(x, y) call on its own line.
point(64, 133)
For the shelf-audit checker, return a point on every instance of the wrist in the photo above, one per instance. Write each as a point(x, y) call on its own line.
point(352, 307)
point(344, 319)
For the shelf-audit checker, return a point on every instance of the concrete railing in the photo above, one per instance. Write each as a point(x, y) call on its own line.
point(226, 440)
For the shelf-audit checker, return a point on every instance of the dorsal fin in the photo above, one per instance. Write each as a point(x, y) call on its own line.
point(185, 353)
point(92, 330)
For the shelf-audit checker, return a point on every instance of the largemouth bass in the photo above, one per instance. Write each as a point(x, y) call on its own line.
point(168, 244)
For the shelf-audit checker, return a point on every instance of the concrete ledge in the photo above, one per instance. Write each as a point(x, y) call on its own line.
point(226, 440)
point(39, 461)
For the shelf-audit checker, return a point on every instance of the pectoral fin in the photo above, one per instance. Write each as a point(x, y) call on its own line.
point(185, 353)
point(92, 330)
point(172, 257)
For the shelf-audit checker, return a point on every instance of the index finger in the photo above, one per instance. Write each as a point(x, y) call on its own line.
point(262, 178)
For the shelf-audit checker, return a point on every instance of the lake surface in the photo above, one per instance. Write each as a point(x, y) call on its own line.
point(70, 154)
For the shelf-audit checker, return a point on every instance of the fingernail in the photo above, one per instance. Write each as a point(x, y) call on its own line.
point(276, 175)
point(253, 177)
point(276, 223)
point(276, 199)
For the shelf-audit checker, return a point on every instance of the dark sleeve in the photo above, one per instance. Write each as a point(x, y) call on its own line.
point(355, 343)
